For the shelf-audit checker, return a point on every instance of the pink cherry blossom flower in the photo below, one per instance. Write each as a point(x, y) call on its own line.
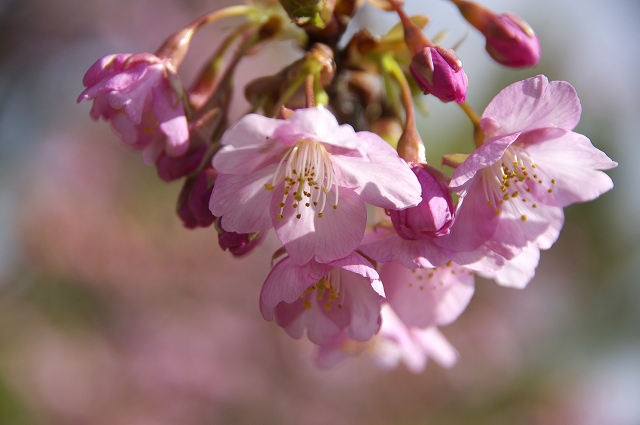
point(324, 299)
point(137, 94)
point(309, 178)
point(396, 342)
point(427, 297)
point(530, 166)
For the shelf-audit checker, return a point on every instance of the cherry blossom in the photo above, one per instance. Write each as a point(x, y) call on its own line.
point(530, 166)
point(324, 299)
point(309, 178)
point(137, 94)
point(396, 342)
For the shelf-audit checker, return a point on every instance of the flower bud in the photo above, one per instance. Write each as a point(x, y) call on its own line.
point(238, 244)
point(193, 202)
point(433, 216)
point(510, 40)
point(438, 71)
point(170, 169)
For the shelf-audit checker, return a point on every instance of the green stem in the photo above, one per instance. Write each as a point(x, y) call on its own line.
point(410, 146)
point(478, 134)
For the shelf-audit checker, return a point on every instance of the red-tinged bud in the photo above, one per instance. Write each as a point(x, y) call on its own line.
point(433, 216)
point(438, 71)
point(170, 169)
point(238, 244)
point(510, 40)
point(193, 203)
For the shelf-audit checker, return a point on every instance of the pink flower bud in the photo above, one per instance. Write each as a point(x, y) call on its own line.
point(433, 216)
point(170, 169)
point(139, 94)
point(512, 42)
point(239, 244)
point(193, 203)
point(438, 71)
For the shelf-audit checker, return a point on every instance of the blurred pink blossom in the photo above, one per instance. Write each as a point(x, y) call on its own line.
point(140, 95)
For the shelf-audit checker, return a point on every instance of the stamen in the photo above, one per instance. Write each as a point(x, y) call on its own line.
point(307, 172)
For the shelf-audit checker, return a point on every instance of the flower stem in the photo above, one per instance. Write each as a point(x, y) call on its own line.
point(478, 134)
point(415, 39)
point(175, 47)
point(410, 146)
point(309, 90)
point(204, 85)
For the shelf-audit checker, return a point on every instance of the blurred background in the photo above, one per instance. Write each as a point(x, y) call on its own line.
point(112, 313)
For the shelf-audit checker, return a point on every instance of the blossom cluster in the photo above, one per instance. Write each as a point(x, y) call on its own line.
point(379, 248)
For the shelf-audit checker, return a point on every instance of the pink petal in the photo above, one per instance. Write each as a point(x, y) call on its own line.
point(242, 201)
point(531, 104)
point(362, 308)
point(572, 162)
point(475, 221)
point(356, 263)
point(317, 124)
point(426, 297)
point(320, 328)
point(436, 346)
point(173, 122)
point(329, 238)
point(104, 67)
point(519, 271)
point(249, 144)
point(541, 225)
point(396, 342)
point(287, 281)
point(385, 180)
point(334, 351)
point(128, 131)
point(380, 243)
point(388, 246)
point(485, 156)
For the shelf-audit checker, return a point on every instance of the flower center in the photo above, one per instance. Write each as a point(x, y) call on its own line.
point(327, 292)
point(515, 174)
point(308, 174)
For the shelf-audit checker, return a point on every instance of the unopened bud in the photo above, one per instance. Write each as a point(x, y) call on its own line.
point(238, 244)
point(433, 216)
point(510, 40)
point(170, 168)
point(438, 71)
point(193, 203)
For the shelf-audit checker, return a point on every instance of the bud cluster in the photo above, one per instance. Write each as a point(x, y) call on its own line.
point(331, 138)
